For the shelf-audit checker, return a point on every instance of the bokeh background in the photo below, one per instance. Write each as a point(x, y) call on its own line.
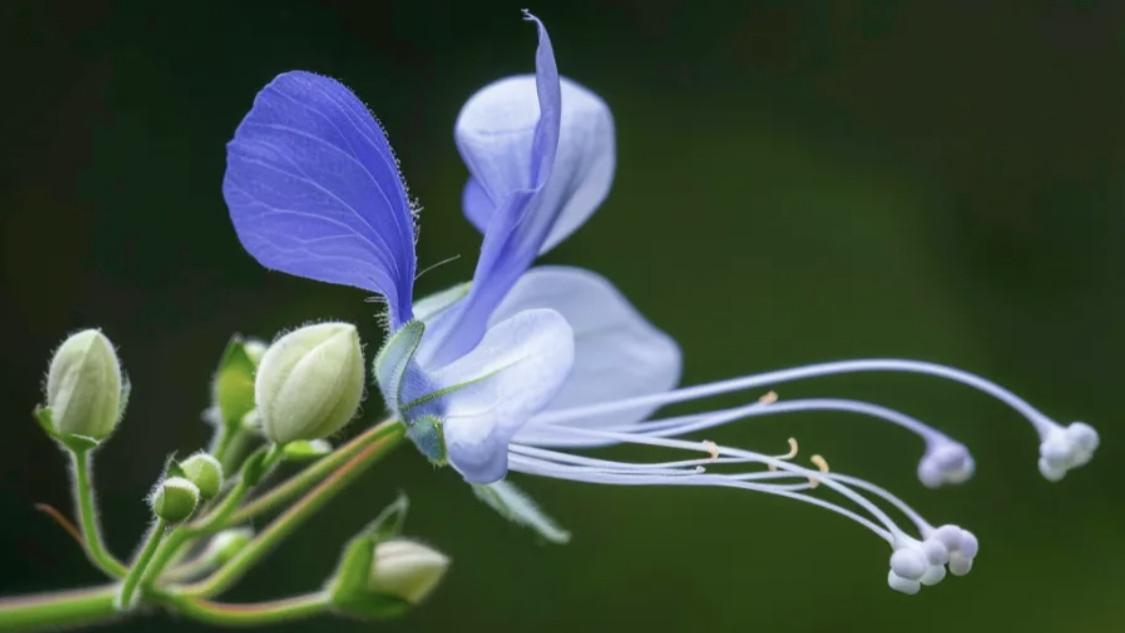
point(796, 183)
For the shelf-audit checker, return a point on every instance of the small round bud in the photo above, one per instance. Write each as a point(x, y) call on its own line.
point(205, 472)
point(84, 386)
point(227, 543)
point(406, 569)
point(174, 499)
point(310, 382)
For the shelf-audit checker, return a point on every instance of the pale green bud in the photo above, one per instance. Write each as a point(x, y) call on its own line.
point(310, 382)
point(227, 543)
point(205, 472)
point(174, 499)
point(406, 569)
point(84, 386)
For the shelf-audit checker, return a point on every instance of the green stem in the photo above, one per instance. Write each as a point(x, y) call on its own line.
point(251, 614)
point(296, 514)
point(313, 473)
point(83, 607)
point(125, 597)
point(212, 522)
point(88, 516)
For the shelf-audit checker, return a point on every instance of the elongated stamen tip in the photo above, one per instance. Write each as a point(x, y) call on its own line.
point(1066, 448)
point(945, 462)
point(916, 563)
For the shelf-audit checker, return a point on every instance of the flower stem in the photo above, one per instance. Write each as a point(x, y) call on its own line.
point(83, 607)
point(136, 572)
point(88, 516)
point(251, 614)
point(296, 514)
point(214, 521)
point(313, 473)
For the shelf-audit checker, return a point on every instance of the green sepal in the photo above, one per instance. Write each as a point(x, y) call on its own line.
point(427, 435)
point(70, 441)
point(516, 506)
point(172, 467)
point(348, 589)
point(430, 306)
point(233, 387)
point(393, 359)
point(306, 450)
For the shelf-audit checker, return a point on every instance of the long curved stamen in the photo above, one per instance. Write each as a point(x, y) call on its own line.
point(543, 468)
point(945, 461)
point(780, 464)
point(1061, 448)
point(1040, 421)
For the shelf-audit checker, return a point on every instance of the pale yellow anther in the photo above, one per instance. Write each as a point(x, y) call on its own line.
point(769, 397)
point(821, 465)
point(712, 448)
point(793, 449)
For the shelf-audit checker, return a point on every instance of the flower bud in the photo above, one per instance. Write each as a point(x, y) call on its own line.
point(310, 382)
point(174, 499)
point(205, 472)
point(84, 386)
point(406, 569)
point(227, 543)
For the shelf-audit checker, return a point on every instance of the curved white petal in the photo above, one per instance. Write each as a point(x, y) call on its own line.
point(489, 393)
point(495, 131)
point(617, 353)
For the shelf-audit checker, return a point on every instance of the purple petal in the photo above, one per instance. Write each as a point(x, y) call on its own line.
point(515, 232)
point(314, 190)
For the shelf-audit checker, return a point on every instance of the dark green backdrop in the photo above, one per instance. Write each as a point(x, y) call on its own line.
point(796, 183)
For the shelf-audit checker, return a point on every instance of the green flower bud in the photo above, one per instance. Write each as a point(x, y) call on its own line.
point(84, 388)
point(174, 499)
point(226, 544)
point(205, 472)
point(406, 569)
point(310, 382)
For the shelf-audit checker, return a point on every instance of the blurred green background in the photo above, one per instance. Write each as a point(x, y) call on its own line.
point(795, 183)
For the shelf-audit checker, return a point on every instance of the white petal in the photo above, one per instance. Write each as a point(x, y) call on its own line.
point(617, 353)
point(517, 368)
point(494, 132)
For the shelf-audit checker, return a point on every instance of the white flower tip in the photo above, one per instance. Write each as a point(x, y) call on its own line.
point(1066, 448)
point(916, 563)
point(947, 462)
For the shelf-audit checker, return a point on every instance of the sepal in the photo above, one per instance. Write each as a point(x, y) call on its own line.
point(516, 506)
point(350, 589)
point(71, 441)
point(306, 450)
point(393, 360)
point(233, 385)
point(426, 433)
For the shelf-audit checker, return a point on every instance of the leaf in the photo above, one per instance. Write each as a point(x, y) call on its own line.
point(516, 506)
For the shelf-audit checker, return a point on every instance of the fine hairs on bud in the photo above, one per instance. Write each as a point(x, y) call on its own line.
point(406, 569)
point(84, 387)
point(310, 382)
point(205, 472)
point(174, 499)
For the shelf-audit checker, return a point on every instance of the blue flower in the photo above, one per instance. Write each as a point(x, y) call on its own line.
point(524, 366)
